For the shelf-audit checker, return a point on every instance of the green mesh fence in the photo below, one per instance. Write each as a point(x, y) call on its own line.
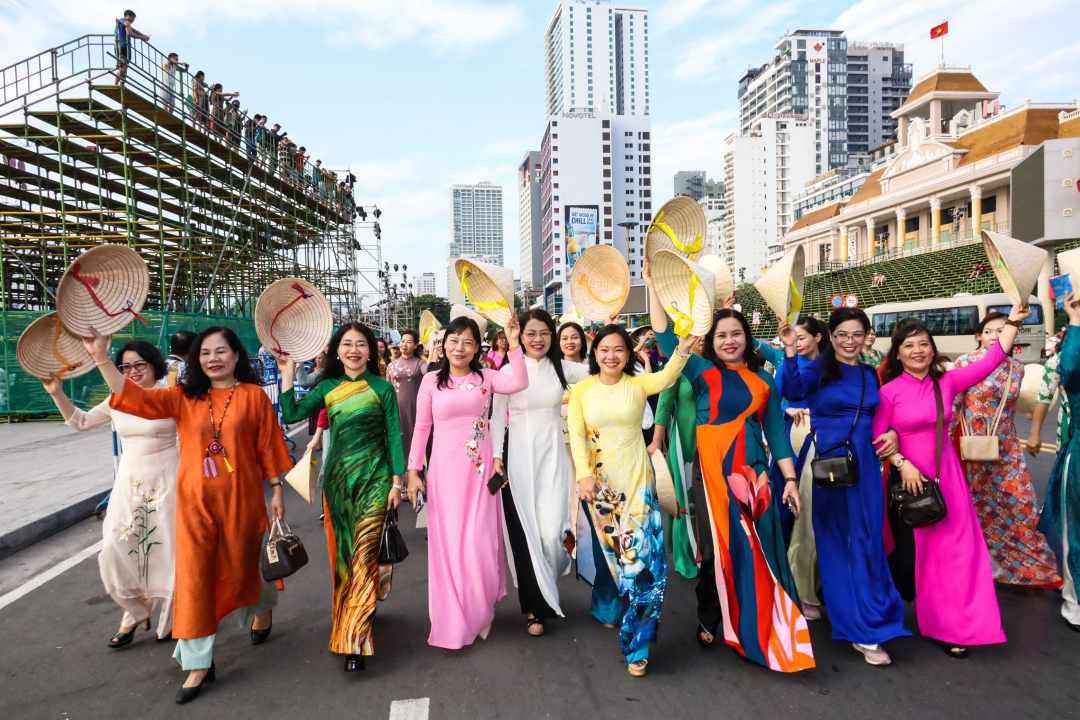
point(22, 393)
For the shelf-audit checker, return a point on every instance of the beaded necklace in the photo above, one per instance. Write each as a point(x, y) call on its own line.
point(215, 447)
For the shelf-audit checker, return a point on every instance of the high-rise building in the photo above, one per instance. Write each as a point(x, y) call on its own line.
point(715, 222)
point(690, 183)
point(597, 55)
point(878, 83)
point(809, 75)
point(424, 284)
point(714, 188)
point(595, 179)
point(764, 169)
point(529, 212)
point(476, 223)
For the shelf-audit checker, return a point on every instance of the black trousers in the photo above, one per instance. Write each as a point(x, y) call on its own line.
point(709, 611)
point(529, 595)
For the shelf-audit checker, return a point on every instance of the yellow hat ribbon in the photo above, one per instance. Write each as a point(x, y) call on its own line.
point(425, 333)
point(56, 353)
point(582, 281)
point(465, 292)
point(683, 322)
point(691, 249)
point(796, 301)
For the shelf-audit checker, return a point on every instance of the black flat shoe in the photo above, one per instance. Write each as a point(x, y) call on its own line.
point(187, 694)
point(121, 639)
point(1072, 626)
point(167, 638)
point(258, 637)
point(701, 632)
point(956, 652)
point(354, 663)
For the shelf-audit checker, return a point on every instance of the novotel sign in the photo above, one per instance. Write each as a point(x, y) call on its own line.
point(579, 113)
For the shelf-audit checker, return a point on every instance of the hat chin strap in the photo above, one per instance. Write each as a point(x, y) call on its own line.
point(301, 296)
point(56, 353)
point(465, 292)
point(683, 322)
point(90, 283)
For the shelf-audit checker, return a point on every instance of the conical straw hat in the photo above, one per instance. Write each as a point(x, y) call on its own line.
point(1029, 389)
point(453, 289)
point(293, 319)
point(679, 226)
point(104, 288)
point(687, 290)
point(782, 286)
point(572, 316)
point(665, 484)
point(46, 347)
point(1069, 264)
point(600, 282)
point(429, 326)
point(725, 283)
point(488, 287)
point(457, 311)
point(1016, 263)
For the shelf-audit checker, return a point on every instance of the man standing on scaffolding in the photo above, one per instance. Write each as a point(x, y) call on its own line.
point(124, 35)
point(170, 75)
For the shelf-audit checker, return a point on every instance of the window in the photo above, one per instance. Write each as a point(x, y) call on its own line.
point(1035, 318)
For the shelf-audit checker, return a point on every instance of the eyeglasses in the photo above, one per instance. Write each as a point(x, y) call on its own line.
point(844, 337)
point(128, 367)
point(544, 335)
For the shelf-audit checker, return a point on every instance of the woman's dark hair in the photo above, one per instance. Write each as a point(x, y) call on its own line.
point(147, 352)
point(892, 367)
point(754, 360)
point(990, 316)
point(584, 352)
point(554, 354)
point(495, 341)
point(415, 336)
point(334, 367)
point(459, 325)
point(195, 382)
point(830, 366)
point(385, 355)
point(218, 87)
point(814, 327)
point(594, 366)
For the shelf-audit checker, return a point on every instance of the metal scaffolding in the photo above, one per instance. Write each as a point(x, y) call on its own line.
point(91, 160)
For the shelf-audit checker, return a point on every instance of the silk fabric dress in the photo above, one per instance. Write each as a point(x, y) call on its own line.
point(537, 469)
point(405, 375)
point(955, 600)
point(363, 455)
point(466, 567)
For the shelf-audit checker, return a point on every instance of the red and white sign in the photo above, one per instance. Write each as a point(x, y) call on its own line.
point(851, 301)
point(837, 301)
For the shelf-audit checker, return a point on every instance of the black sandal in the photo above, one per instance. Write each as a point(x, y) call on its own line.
point(535, 626)
point(121, 639)
point(956, 652)
point(701, 640)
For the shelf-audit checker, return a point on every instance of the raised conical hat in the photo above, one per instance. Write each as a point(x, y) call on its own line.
point(572, 316)
point(782, 286)
point(600, 282)
point(687, 290)
point(429, 326)
point(1069, 264)
point(104, 288)
point(293, 319)
point(665, 484)
point(488, 287)
point(1016, 263)
point(725, 283)
point(679, 226)
point(46, 347)
point(1029, 389)
point(457, 311)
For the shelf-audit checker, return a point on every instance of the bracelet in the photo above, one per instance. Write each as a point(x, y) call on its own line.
point(275, 484)
point(684, 357)
point(402, 488)
point(1015, 323)
point(791, 479)
point(103, 362)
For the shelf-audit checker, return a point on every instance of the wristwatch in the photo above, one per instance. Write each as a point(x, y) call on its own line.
point(791, 479)
point(684, 357)
point(899, 463)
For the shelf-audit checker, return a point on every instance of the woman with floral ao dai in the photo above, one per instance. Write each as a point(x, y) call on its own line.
point(137, 559)
point(620, 535)
point(466, 565)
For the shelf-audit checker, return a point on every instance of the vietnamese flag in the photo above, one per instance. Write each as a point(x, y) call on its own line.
point(938, 31)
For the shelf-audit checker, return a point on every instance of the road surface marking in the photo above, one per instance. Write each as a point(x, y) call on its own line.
point(409, 709)
point(39, 580)
point(296, 430)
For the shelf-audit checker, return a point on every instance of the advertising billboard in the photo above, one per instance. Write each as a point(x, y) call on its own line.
point(581, 224)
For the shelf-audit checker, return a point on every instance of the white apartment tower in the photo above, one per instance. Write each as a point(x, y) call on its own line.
point(596, 54)
point(765, 169)
point(529, 212)
point(424, 284)
point(476, 224)
point(878, 82)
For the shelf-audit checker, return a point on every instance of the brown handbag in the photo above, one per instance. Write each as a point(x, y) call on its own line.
point(983, 448)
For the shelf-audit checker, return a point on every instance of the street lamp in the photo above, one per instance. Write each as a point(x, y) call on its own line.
point(629, 225)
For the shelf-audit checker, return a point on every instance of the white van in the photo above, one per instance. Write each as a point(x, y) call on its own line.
point(953, 322)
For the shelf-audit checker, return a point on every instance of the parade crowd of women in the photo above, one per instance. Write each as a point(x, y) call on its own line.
point(548, 449)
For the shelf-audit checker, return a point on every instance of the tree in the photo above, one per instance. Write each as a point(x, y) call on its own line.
point(438, 306)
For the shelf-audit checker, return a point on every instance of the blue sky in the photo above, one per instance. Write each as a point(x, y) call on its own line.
point(420, 94)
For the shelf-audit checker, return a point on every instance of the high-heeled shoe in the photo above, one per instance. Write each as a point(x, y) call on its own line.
point(123, 639)
point(187, 694)
point(354, 663)
point(258, 637)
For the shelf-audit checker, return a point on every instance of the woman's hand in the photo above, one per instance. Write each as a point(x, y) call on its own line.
point(890, 444)
point(798, 415)
point(786, 333)
point(729, 303)
point(613, 319)
point(54, 385)
point(497, 466)
point(277, 503)
point(1072, 308)
point(791, 490)
point(415, 485)
point(646, 273)
point(513, 332)
point(913, 479)
point(1019, 312)
point(393, 501)
point(587, 488)
point(655, 445)
point(689, 343)
point(1034, 445)
point(97, 345)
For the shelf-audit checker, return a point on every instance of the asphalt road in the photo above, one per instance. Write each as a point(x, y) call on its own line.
point(54, 662)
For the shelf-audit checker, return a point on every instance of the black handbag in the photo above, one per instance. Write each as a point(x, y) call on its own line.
point(283, 554)
point(838, 471)
point(928, 507)
point(393, 548)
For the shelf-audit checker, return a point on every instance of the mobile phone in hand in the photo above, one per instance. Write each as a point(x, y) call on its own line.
point(495, 483)
point(419, 505)
point(791, 506)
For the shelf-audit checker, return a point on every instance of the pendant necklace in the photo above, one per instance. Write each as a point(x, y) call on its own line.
point(215, 447)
